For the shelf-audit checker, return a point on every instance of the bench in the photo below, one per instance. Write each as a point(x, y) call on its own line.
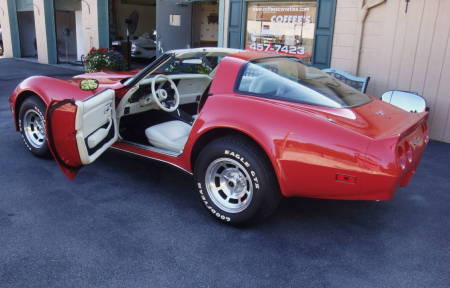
point(359, 83)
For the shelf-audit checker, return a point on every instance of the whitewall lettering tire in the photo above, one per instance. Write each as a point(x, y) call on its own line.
point(32, 126)
point(235, 180)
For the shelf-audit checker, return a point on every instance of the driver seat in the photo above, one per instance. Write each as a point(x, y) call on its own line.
point(171, 135)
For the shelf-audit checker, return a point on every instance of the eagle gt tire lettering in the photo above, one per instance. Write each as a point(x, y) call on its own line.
point(235, 180)
point(32, 126)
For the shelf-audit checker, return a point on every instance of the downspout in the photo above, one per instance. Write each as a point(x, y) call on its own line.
point(359, 32)
point(221, 30)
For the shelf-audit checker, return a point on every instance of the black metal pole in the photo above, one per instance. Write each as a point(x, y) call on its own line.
point(128, 52)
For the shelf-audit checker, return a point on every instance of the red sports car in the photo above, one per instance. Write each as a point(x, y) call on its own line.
point(251, 127)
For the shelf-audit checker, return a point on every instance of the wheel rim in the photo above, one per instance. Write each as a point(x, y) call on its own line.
point(229, 185)
point(34, 128)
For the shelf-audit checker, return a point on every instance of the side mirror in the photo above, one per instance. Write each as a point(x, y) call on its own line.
point(89, 84)
point(407, 101)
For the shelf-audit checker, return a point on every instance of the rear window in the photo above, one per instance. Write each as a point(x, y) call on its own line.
point(286, 78)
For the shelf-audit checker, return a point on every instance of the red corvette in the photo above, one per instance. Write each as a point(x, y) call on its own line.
point(250, 127)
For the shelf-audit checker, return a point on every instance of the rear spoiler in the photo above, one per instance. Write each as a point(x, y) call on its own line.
point(406, 128)
point(420, 120)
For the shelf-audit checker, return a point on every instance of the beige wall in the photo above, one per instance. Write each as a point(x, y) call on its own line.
point(208, 31)
point(406, 51)
point(6, 32)
point(41, 33)
point(89, 19)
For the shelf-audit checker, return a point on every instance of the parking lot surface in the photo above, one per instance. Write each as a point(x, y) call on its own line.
point(130, 222)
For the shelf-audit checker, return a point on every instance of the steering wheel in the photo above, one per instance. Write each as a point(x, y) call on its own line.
point(160, 95)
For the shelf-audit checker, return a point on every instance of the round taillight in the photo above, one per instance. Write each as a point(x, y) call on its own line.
point(409, 156)
point(400, 151)
point(402, 162)
point(409, 152)
point(401, 157)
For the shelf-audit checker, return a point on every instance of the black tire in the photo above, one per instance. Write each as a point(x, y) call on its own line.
point(265, 195)
point(34, 105)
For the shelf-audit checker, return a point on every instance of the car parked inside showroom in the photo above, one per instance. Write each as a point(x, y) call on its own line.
point(251, 127)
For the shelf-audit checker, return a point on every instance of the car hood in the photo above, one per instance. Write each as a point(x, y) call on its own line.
point(106, 77)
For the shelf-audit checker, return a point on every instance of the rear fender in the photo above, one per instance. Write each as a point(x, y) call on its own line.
point(211, 120)
point(286, 140)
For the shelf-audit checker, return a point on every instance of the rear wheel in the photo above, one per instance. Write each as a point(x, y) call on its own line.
point(236, 181)
point(32, 126)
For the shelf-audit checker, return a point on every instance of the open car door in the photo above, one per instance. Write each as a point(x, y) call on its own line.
point(80, 131)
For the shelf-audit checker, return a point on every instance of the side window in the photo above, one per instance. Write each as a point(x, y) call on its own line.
point(249, 77)
point(287, 79)
point(272, 82)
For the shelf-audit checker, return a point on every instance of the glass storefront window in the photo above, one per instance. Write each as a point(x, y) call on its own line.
point(283, 27)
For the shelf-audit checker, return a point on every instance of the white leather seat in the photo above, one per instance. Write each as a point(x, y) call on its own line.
point(171, 135)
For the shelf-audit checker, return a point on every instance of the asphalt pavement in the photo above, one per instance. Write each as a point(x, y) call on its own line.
point(131, 222)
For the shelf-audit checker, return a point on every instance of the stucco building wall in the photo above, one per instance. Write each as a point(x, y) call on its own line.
point(399, 50)
point(41, 31)
point(6, 29)
point(89, 19)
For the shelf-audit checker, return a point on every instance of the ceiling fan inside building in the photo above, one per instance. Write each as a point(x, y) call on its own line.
point(132, 22)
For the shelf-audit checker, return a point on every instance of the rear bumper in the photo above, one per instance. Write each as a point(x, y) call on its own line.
point(405, 181)
point(383, 187)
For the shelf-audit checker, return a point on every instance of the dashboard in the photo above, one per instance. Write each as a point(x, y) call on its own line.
point(190, 87)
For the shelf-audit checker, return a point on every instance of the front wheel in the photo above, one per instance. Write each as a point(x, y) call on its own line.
point(32, 127)
point(235, 181)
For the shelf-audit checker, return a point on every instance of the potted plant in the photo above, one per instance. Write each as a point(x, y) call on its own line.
point(103, 59)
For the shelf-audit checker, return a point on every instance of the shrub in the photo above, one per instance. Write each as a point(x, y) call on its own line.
point(103, 59)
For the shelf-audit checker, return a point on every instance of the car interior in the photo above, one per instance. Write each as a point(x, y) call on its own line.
point(159, 111)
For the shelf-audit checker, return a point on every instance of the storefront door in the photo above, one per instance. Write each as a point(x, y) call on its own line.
point(26, 28)
point(173, 24)
point(69, 32)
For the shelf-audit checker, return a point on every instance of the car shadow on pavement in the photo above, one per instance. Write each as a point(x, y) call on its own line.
point(156, 178)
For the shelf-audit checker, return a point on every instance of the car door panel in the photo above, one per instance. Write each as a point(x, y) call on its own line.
point(96, 126)
point(80, 131)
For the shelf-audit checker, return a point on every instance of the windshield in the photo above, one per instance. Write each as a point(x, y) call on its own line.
point(195, 61)
point(183, 61)
point(286, 78)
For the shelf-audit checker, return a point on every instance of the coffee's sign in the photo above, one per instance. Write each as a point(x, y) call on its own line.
point(293, 19)
point(282, 27)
